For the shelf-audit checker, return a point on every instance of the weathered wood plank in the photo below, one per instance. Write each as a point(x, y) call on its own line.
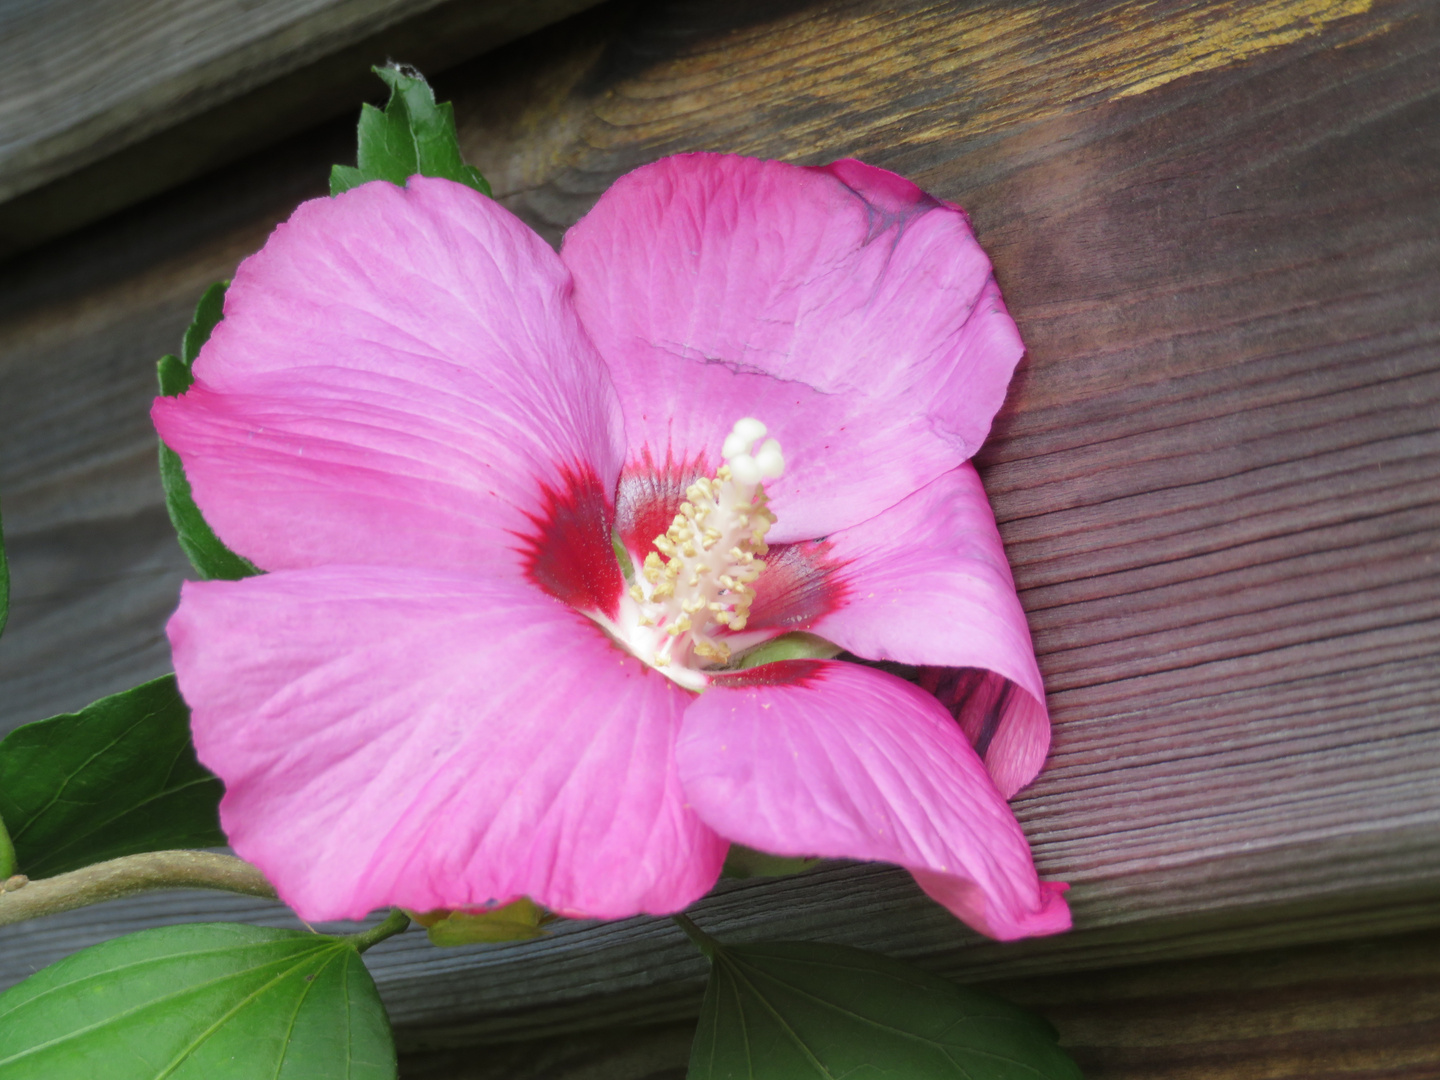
point(1352, 1010)
point(105, 103)
point(1218, 474)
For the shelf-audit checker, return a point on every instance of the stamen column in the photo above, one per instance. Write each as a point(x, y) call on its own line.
point(703, 568)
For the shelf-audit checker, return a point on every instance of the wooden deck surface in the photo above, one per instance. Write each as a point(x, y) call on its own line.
point(1364, 1010)
point(106, 102)
point(1217, 475)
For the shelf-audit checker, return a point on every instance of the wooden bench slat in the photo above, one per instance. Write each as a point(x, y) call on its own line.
point(106, 102)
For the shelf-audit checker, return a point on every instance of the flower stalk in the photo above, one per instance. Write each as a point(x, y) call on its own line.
point(397, 923)
point(703, 941)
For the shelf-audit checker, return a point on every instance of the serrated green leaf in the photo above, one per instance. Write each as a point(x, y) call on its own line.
point(804, 1011)
point(116, 778)
point(208, 313)
point(207, 1001)
point(413, 134)
point(175, 377)
point(210, 557)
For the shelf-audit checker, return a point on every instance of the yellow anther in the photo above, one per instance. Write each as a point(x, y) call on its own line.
point(716, 650)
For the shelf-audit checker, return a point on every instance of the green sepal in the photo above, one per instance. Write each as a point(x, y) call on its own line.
point(413, 134)
point(210, 557)
point(206, 1001)
point(116, 778)
point(519, 920)
point(806, 1011)
point(744, 862)
point(794, 646)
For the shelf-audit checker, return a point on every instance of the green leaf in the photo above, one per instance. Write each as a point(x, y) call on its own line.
point(208, 313)
point(414, 134)
point(211, 558)
point(207, 1001)
point(7, 853)
point(796, 1011)
point(116, 778)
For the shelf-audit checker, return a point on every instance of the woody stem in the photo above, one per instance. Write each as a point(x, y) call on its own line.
point(21, 898)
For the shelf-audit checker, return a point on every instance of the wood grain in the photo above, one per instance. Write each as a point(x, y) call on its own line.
point(1365, 1009)
point(1217, 475)
point(106, 102)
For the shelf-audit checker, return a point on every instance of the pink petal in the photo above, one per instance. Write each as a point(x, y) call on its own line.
point(927, 583)
point(809, 757)
point(849, 311)
point(399, 379)
point(1008, 727)
point(421, 739)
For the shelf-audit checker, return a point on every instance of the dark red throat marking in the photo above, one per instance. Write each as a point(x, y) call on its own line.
point(649, 496)
point(569, 555)
point(780, 673)
point(801, 583)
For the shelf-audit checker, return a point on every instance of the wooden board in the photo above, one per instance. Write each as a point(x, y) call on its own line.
point(105, 102)
point(1216, 474)
point(1356, 1010)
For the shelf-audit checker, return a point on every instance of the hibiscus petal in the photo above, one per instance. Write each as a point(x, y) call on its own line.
point(852, 313)
point(400, 378)
point(927, 583)
point(815, 757)
point(422, 739)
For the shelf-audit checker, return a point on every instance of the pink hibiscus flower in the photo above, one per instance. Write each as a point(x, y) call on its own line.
point(435, 434)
